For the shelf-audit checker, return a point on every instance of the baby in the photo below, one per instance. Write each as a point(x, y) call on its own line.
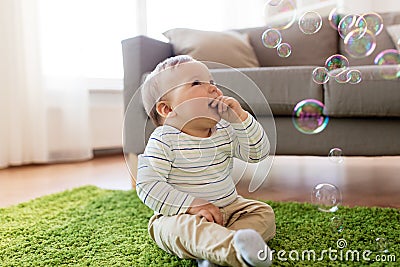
point(184, 174)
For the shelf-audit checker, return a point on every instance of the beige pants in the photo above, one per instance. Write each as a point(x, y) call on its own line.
point(192, 237)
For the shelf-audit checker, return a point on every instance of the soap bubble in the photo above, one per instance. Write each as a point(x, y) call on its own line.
point(342, 77)
point(350, 23)
point(381, 245)
point(320, 75)
point(336, 155)
point(359, 44)
point(271, 38)
point(284, 50)
point(310, 22)
point(334, 18)
point(281, 15)
point(326, 197)
point(389, 72)
point(337, 224)
point(390, 61)
point(336, 64)
point(274, 2)
point(388, 57)
point(374, 22)
point(308, 117)
point(354, 76)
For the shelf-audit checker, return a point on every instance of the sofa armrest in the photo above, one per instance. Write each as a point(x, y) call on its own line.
point(141, 54)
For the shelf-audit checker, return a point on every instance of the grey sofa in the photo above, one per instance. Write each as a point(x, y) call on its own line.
point(364, 117)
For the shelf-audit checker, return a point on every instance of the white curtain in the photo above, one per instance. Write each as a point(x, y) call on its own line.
point(43, 117)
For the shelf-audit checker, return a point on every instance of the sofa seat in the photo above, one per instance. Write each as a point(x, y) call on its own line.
point(374, 96)
point(355, 136)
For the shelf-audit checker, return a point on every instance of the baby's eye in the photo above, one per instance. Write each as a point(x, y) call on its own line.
point(196, 82)
point(212, 82)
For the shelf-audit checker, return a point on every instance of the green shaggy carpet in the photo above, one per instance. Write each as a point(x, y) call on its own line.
point(92, 226)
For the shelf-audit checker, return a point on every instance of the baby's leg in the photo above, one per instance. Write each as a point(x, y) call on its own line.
point(192, 237)
point(247, 213)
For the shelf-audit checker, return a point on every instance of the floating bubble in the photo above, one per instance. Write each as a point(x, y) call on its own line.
point(388, 57)
point(337, 224)
point(308, 117)
point(271, 38)
point(326, 197)
point(354, 76)
point(336, 64)
point(389, 72)
point(342, 77)
point(334, 18)
point(274, 2)
point(390, 61)
point(284, 50)
point(374, 22)
point(336, 155)
point(310, 22)
point(320, 75)
point(281, 15)
point(350, 23)
point(381, 245)
point(359, 44)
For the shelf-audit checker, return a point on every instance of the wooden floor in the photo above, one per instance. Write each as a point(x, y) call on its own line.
point(363, 181)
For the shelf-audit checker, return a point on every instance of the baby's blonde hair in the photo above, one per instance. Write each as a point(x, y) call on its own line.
point(152, 91)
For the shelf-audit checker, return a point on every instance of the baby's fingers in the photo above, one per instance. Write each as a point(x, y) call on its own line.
point(215, 101)
point(206, 214)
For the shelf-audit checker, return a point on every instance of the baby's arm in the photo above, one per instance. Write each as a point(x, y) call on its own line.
point(250, 142)
point(152, 185)
point(154, 190)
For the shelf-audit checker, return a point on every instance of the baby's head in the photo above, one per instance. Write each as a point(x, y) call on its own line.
point(175, 81)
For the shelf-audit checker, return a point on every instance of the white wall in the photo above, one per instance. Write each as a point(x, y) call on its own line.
point(361, 6)
point(106, 118)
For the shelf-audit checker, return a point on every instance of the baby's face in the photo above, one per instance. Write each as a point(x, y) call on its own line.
point(193, 90)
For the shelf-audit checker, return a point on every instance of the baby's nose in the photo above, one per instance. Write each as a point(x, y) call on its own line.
point(214, 89)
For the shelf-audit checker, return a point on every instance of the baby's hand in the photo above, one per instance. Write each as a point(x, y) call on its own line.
point(205, 209)
point(229, 109)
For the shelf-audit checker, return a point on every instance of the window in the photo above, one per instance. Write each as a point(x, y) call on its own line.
point(84, 36)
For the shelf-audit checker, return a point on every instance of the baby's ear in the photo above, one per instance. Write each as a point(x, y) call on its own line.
point(163, 108)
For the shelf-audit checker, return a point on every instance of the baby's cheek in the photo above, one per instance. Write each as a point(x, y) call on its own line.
point(196, 108)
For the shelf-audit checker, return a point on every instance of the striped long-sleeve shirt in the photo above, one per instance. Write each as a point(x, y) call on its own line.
point(176, 168)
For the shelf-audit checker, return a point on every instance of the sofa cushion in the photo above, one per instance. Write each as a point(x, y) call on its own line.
point(383, 41)
point(282, 87)
point(394, 33)
point(311, 49)
point(229, 48)
point(373, 96)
